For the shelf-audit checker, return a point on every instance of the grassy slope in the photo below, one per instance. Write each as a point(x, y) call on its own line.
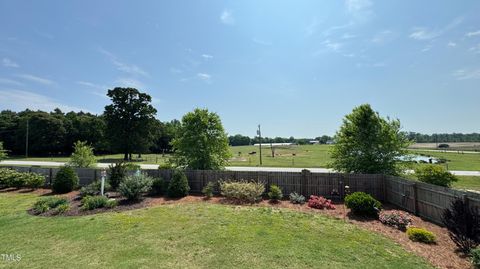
point(192, 236)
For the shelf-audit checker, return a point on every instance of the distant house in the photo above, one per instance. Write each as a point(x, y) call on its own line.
point(330, 142)
point(313, 142)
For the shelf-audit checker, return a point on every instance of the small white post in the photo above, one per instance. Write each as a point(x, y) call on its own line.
point(104, 175)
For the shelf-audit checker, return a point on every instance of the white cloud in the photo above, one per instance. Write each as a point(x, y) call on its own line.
point(427, 48)
point(124, 67)
point(475, 49)
point(424, 33)
point(359, 9)
point(10, 81)
point(207, 56)
point(335, 46)
point(463, 74)
point(20, 100)
point(227, 17)
point(348, 36)
point(205, 77)
point(130, 82)
point(451, 44)
point(311, 28)
point(9, 63)
point(470, 34)
point(92, 85)
point(383, 37)
point(36, 79)
point(261, 42)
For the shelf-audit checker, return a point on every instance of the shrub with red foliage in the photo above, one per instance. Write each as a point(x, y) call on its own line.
point(320, 202)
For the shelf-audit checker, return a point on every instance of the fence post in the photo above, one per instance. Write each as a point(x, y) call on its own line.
point(304, 181)
point(384, 187)
point(415, 198)
point(50, 176)
point(267, 189)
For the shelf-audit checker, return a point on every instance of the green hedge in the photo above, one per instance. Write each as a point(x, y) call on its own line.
point(10, 178)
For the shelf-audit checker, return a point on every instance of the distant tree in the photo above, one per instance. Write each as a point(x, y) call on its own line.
point(82, 155)
point(3, 152)
point(164, 133)
point(201, 141)
point(323, 139)
point(368, 144)
point(130, 121)
point(239, 140)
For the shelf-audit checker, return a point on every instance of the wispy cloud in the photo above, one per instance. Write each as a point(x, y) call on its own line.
point(175, 70)
point(21, 99)
point(426, 48)
point(227, 17)
point(261, 42)
point(377, 64)
point(207, 56)
point(464, 74)
point(329, 31)
point(9, 63)
point(348, 36)
point(10, 82)
point(359, 9)
point(475, 49)
point(36, 79)
point(98, 90)
point(383, 37)
point(470, 34)
point(331, 45)
point(205, 77)
point(311, 28)
point(122, 66)
point(451, 44)
point(425, 33)
point(130, 82)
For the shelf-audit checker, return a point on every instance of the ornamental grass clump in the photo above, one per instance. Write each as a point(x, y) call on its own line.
point(395, 218)
point(45, 204)
point(296, 198)
point(242, 191)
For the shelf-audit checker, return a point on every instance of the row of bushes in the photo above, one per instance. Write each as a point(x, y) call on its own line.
point(10, 178)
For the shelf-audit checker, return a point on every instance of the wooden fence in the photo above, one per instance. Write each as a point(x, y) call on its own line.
point(425, 200)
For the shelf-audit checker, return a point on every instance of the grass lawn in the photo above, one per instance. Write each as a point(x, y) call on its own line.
point(467, 182)
point(199, 235)
point(456, 161)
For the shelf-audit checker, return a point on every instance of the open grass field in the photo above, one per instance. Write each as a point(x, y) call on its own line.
point(468, 183)
point(197, 235)
point(466, 146)
point(455, 160)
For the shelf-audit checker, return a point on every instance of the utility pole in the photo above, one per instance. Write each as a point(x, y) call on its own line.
point(259, 133)
point(26, 142)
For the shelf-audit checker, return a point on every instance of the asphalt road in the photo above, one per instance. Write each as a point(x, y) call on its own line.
point(231, 168)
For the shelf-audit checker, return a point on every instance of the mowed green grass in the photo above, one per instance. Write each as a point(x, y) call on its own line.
point(199, 235)
point(467, 182)
point(455, 161)
point(288, 156)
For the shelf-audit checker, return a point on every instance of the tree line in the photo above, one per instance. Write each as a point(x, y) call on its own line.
point(437, 138)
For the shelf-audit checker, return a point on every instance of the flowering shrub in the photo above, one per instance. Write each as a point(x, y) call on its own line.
point(320, 202)
point(395, 218)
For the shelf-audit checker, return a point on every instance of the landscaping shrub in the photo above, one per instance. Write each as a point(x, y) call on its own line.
point(242, 191)
point(475, 256)
point(275, 193)
point(362, 204)
point(296, 198)
point(82, 155)
point(12, 178)
point(208, 190)
point(117, 172)
point(93, 202)
point(421, 235)
point(320, 202)
point(158, 186)
point(463, 224)
point(435, 174)
point(34, 180)
point(65, 181)
point(45, 204)
point(132, 187)
point(94, 188)
point(395, 218)
point(62, 208)
point(178, 186)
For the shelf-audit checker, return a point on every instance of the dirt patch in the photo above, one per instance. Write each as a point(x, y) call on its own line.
point(443, 254)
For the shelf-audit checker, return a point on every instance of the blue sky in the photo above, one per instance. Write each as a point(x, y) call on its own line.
point(296, 67)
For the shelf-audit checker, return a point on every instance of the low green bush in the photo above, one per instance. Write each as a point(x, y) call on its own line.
point(178, 186)
point(275, 193)
point(158, 186)
point(62, 208)
point(296, 198)
point(208, 189)
point(117, 172)
point(45, 204)
point(242, 191)
point(132, 187)
point(421, 235)
point(94, 202)
point(475, 256)
point(363, 204)
point(65, 181)
point(34, 180)
point(435, 174)
point(12, 178)
point(94, 188)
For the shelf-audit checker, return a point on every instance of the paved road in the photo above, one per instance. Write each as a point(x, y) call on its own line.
point(231, 168)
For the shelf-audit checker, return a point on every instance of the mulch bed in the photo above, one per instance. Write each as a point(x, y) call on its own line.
point(443, 254)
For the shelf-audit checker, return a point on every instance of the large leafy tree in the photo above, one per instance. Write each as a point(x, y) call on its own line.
point(130, 121)
point(201, 141)
point(368, 144)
